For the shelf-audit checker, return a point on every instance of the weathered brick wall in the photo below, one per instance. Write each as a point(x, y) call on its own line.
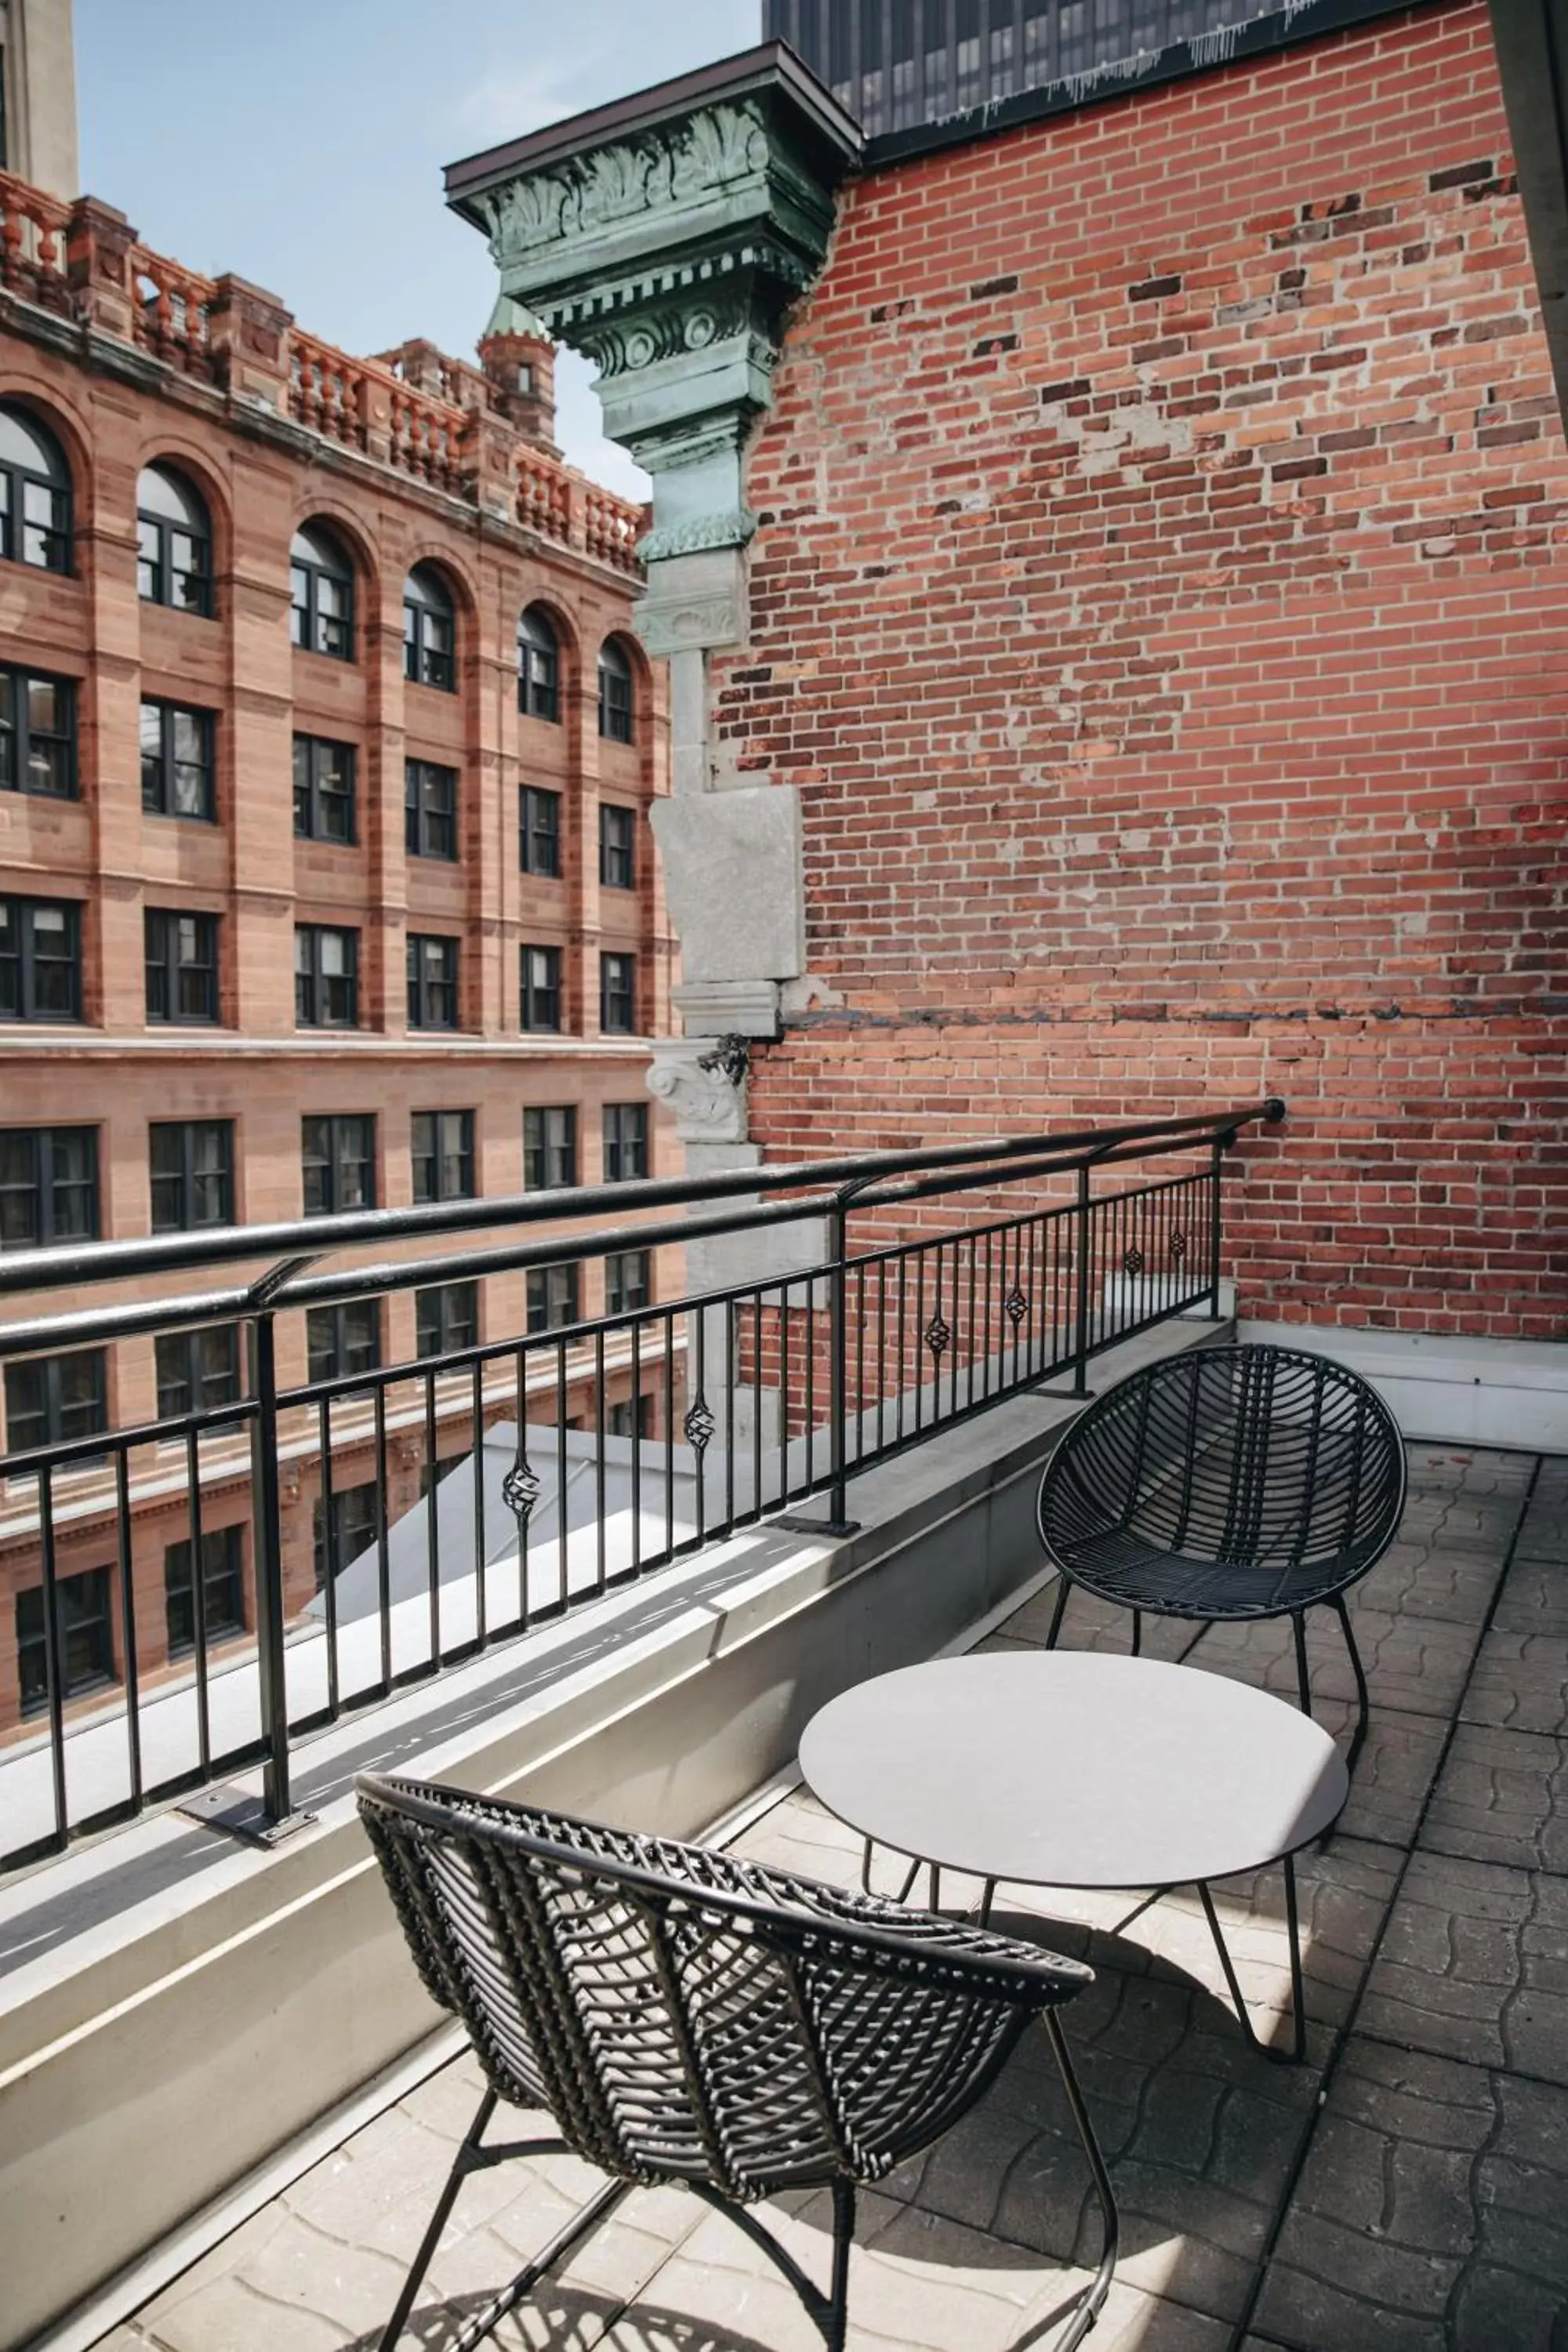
point(1161, 605)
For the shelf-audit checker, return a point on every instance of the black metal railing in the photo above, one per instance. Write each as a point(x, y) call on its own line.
point(321, 1543)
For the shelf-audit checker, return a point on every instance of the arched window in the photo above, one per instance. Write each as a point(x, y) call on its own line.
point(615, 692)
point(538, 666)
point(321, 583)
point(35, 493)
point(429, 632)
point(173, 542)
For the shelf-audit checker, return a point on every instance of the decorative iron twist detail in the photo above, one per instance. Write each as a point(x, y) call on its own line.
point(1014, 1306)
point(520, 1490)
point(700, 1423)
point(937, 1334)
point(1133, 1261)
point(1178, 1247)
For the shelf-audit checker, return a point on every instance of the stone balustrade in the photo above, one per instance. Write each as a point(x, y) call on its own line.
point(33, 227)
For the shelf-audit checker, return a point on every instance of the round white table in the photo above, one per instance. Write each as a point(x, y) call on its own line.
point(1064, 1768)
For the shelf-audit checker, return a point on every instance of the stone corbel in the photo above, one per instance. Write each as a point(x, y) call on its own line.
point(705, 1089)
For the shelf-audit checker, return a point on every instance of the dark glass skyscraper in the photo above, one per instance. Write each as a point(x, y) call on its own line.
point(897, 63)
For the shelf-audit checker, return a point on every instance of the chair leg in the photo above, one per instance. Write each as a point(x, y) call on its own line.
point(1348, 1630)
point(1298, 2049)
point(1089, 2307)
point(472, 2157)
point(1062, 1589)
point(1303, 1674)
point(837, 2323)
point(1137, 1632)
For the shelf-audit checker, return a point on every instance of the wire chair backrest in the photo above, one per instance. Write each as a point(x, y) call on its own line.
point(1250, 1456)
point(686, 2015)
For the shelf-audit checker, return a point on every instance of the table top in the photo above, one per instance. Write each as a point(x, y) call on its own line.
point(1065, 1767)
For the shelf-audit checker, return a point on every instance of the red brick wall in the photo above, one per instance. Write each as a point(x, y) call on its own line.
point(1160, 602)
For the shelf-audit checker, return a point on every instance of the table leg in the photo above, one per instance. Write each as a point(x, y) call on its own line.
point(1297, 1997)
point(866, 1886)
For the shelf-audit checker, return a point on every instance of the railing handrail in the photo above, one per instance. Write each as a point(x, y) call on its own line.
point(317, 1237)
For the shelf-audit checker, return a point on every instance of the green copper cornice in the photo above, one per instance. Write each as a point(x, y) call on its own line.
point(666, 238)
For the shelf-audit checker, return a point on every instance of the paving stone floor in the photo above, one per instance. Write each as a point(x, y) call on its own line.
point(1406, 2189)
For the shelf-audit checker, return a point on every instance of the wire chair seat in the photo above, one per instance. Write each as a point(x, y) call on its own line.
point(1226, 1485)
point(686, 2016)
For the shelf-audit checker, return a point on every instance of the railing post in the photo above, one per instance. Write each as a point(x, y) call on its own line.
point(1222, 1144)
point(1085, 1269)
point(267, 1529)
point(838, 1522)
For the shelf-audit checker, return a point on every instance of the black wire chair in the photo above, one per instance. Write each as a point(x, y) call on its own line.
point(1227, 1484)
point(688, 2017)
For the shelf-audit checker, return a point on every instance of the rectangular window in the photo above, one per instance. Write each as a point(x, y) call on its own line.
point(341, 1341)
point(338, 1157)
point(191, 1163)
point(539, 832)
point(551, 1296)
point(550, 1147)
point(37, 734)
point(447, 1318)
point(40, 960)
point(323, 789)
point(50, 1400)
point(625, 1418)
point(616, 855)
point(223, 1591)
point(430, 810)
point(432, 981)
point(443, 1145)
point(182, 966)
point(541, 991)
point(83, 1633)
point(197, 1369)
point(625, 1142)
point(177, 761)
point(326, 977)
point(344, 1527)
point(628, 1282)
point(49, 1186)
point(618, 995)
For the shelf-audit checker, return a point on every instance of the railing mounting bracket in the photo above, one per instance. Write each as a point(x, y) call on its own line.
point(800, 1523)
point(239, 1815)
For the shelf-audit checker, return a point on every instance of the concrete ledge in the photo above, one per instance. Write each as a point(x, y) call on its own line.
point(1450, 1391)
point(177, 2009)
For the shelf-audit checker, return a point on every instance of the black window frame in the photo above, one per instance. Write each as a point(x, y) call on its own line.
point(630, 1417)
point(539, 832)
point(435, 977)
point(316, 795)
point(49, 1185)
point(90, 1594)
point(532, 991)
point(354, 1515)
point(168, 968)
point(21, 740)
point(617, 847)
point(424, 663)
point(197, 1371)
point(538, 667)
point(434, 1143)
point(161, 767)
point(53, 480)
point(330, 1346)
point(310, 986)
point(191, 1182)
point(617, 697)
point(440, 1319)
point(23, 913)
point(341, 1141)
point(426, 823)
point(620, 1268)
point(550, 1287)
point(548, 1147)
point(159, 566)
point(222, 1615)
point(52, 1408)
point(309, 627)
point(618, 989)
point(619, 1147)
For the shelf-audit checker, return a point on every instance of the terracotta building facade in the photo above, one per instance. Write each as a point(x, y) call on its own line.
point(326, 754)
point(1133, 636)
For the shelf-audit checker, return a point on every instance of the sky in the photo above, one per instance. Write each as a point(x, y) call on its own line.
point(300, 144)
